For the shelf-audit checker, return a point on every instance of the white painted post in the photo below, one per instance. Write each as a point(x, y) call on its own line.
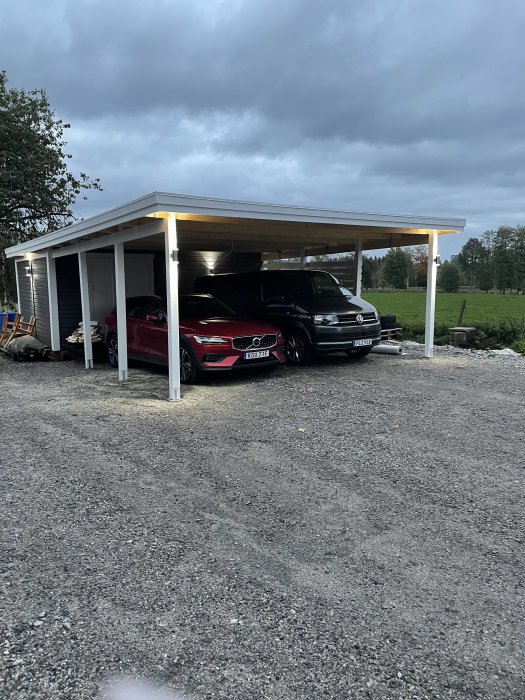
point(17, 260)
point(172, 305)
point(86, 312)
point(303, 258)
point(120, 295)
point(53, 301)
point(431, 293)
point(358, 269)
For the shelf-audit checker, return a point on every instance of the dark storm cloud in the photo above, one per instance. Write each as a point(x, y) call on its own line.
point(408, 106)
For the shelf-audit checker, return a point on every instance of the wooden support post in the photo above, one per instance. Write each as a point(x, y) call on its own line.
point(358, 270)
point(120, 295)
point(431, 293)
point(86, 311)
point(172, 305)
point(53, 302)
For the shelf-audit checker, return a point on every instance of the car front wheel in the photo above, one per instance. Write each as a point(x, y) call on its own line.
point(189, 371)
point(297, 348)
point(112, 348)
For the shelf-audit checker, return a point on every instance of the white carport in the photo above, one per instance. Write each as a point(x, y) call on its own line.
point(177, 222)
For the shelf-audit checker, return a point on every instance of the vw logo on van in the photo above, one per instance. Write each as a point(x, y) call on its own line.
point(359, 318)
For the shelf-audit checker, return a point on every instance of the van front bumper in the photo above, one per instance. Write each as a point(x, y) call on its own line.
point(333, 338)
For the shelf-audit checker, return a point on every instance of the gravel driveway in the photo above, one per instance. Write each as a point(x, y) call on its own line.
point(346, 530)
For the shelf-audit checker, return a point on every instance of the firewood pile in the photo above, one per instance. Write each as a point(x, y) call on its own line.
point(77, 337)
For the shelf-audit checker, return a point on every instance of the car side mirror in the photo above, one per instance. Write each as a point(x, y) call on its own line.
point(156, 317)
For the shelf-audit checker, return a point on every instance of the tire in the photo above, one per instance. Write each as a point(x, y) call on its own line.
point(298, 349)
point(112, 348)
point(358, 353)
point(388, 322)
point(189, 371)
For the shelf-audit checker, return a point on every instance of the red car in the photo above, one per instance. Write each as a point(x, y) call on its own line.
point(212, 336)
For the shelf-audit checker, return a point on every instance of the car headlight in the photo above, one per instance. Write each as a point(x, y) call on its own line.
point(326, 319)
point(210, 340)
point(279, 335)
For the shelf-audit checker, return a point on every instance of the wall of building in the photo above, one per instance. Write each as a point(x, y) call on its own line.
point(68, 292)
point(34, 295)
point(145, 274)
point(193, 264)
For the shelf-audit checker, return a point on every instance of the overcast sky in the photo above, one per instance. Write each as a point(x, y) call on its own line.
point(396, 106)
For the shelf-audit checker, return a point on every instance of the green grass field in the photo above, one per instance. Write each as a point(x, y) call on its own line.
point(500, 318)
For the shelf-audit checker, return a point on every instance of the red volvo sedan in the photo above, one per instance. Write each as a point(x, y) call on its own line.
point(212, 336)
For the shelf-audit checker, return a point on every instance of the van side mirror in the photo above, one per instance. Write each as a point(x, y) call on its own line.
point(279, 300)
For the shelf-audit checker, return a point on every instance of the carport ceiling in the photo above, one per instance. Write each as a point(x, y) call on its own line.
point(226, 225)
point(277, 238)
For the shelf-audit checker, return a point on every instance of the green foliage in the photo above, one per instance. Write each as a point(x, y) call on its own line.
point(499, 319)
point(471, 258)
point(449, 277)
point(496, 261)
point(37, 190)
point(396, 268)
point(420, 260)
point(519, 346)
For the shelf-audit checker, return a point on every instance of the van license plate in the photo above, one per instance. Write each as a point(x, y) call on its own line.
point(365, 341)
point(256, 354)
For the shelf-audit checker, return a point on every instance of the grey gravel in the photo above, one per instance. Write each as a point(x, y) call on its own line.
point(213, 546)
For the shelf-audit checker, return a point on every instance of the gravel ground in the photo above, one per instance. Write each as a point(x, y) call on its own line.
point(346, 530)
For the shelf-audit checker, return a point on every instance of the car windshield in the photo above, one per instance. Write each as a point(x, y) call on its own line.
point(315, 284)
point(203, 307)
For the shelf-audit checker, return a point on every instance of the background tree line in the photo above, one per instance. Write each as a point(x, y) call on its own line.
point(496, 261)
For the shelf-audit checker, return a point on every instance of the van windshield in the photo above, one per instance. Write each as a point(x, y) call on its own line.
point(307, 285)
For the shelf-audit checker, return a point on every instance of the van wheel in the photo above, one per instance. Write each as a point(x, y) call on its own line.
point(298, 349)
point(189, 371)
point(358, 353)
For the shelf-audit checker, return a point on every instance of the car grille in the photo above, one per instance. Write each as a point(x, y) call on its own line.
point(351, 319)
point(254, 342)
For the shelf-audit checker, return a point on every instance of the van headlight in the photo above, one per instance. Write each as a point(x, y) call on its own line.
point(326, 319)
point(210, 340)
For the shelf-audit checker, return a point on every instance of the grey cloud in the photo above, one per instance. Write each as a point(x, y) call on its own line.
point(405, 106)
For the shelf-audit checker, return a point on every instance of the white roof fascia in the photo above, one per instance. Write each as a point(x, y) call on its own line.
point(206, 206)
point(113, 217)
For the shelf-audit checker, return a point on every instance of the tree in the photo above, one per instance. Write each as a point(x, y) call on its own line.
point(449, 277)
point(37, 190)
point(420, 258)
point(504, 258)
point(470, 259)
point(396, 268)
point(519, 257)
point(370, 267)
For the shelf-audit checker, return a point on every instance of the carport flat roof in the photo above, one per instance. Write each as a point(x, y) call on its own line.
point(205, 223)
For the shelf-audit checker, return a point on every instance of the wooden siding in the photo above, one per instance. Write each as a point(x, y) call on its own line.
point(193, 264)
point(34, 299)
point(34, 296)
point(68, 292)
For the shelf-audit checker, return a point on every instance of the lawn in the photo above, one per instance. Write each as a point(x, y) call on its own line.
point(500, 318)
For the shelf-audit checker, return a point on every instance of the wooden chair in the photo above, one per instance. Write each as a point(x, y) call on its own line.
point(7, 327)
point(11, 329)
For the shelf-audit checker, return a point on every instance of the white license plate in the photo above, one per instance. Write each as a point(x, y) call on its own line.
point(365, 341)
point(256, 354)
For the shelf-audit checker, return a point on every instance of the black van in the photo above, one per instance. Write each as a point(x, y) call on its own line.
point(315, 312)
